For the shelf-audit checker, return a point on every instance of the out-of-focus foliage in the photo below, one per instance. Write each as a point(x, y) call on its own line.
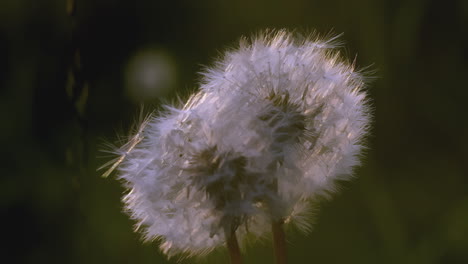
point(408, 203)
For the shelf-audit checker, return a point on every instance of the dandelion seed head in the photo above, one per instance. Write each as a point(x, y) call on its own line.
point(276, 122)
point(194, 176)
point(311, 106)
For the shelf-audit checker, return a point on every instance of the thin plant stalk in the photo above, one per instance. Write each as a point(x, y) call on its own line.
point(233, 248)
point(279, 242)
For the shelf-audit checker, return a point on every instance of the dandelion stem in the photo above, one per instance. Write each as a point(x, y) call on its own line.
point(279, 242)
point(233, 248)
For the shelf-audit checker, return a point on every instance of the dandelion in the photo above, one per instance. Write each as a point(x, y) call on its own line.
point(311, 108)
point(276, 122)
point(192, 181)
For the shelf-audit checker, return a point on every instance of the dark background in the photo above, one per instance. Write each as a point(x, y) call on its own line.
point(408, 203)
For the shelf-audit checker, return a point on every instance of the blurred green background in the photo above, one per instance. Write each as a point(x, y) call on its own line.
point(408, 203)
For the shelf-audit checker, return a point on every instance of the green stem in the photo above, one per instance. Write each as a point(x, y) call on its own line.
point(233, 248)
point(279, 242)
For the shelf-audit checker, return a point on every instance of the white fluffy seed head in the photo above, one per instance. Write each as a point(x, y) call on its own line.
point(275, 124)
point(312, 105)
